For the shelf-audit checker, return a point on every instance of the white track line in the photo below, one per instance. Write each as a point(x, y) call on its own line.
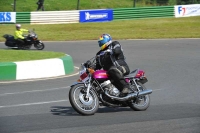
point(14, 93)
point(39, 103)
point(27, 104)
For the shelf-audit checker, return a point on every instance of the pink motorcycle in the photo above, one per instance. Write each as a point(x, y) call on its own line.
point(94, 88)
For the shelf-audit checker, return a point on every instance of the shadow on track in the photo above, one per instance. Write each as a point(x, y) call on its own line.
point(18, 49)
point(64, 111)
point(155, 112)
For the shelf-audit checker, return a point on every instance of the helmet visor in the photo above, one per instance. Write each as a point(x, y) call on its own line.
point(101, 42)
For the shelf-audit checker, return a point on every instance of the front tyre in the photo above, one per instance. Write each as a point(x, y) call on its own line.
point(39, 45)
point(140, 103)
point(83, 105)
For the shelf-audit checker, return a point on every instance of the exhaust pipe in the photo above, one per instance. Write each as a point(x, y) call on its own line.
point(130, 96)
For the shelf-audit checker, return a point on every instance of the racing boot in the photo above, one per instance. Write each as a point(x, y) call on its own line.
point(126, 90)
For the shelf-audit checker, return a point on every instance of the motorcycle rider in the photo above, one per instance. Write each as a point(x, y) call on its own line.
point(18, 36)
point(111, 59)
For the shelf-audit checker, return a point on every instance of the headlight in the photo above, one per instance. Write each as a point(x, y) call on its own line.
point(83, 74)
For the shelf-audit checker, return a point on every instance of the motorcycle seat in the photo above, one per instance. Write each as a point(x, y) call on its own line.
point(132, 74)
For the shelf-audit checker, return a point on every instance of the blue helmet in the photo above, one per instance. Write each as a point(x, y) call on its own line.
point(104, 41)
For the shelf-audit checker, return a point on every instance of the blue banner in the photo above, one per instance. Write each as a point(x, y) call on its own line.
point(96, 15)
point(7, 17)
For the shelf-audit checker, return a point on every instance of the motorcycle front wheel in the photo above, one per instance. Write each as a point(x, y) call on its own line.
point(140, 103)
point(82, 104)
point(39, 45)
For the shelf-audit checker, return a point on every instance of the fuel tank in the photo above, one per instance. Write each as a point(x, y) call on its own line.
point(100, 75)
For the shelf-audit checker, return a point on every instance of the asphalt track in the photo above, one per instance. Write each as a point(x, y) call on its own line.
point(172, 68)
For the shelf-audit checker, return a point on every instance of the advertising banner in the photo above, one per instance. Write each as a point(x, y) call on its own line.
point(7, 17)
point(187, 10)
point(96, 15)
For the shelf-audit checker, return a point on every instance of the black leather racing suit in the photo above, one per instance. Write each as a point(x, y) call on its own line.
point(114, 63)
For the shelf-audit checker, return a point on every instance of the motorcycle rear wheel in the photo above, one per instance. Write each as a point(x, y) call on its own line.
point(81, 104)
point(141, 103)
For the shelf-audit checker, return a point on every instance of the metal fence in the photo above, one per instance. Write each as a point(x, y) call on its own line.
point(63, 5)
point(144, 3)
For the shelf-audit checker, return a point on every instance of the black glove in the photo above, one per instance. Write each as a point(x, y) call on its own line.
point(87, 64)
point(25, 38)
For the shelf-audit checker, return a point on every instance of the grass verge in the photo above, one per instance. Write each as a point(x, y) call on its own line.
point(23, 55)
point(125, 29)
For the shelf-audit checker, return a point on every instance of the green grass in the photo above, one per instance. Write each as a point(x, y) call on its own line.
point(127, 29)
point(56, 5)
point(22, 55)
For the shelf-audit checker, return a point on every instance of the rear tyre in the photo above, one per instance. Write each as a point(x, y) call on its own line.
point(83, 105)
point(140, 103)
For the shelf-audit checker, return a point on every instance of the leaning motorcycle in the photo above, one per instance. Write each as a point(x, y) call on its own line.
point(94, 88)
point(31, 39)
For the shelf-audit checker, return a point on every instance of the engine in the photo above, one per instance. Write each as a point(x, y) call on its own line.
point(112, 90)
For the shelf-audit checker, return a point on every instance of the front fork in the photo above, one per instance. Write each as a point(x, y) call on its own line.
point(88, 87)
point(37, 42)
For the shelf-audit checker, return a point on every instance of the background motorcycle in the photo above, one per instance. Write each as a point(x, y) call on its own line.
point(31, 39)
point(94, 88)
